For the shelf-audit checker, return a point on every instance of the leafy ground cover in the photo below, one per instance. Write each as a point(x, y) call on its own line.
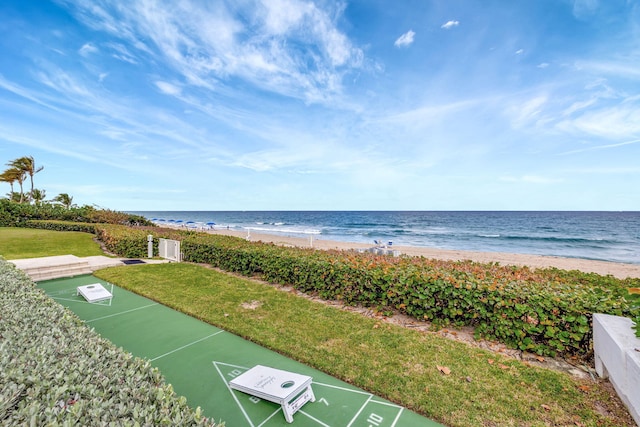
point(55, 371)
point(445, 380)
point(18, 243)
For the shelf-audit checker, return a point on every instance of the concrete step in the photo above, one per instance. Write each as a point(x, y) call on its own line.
point(54, 267)
point(39, 275)
point(39, 269)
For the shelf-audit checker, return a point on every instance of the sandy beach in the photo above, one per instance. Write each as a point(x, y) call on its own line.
point(534, 261)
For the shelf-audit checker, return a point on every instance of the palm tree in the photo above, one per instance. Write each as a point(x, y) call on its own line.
point(64, 199)
point(10, 176)
point(17, 170)
point(28, 165)
point(38, 196)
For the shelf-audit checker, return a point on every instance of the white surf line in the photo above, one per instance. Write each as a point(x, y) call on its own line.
point(186, 345)
point(246, 416)
point(355, 417)
point(122, 312)
point(314, 419)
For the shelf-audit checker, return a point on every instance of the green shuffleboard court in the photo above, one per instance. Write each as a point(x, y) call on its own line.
point(200, 360)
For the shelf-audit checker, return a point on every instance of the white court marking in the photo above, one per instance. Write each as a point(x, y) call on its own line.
point(122, 312)
point(371, 399)
point(186, 345)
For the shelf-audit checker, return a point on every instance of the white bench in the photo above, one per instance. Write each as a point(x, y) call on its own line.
point(290, 390)
point(94, 292)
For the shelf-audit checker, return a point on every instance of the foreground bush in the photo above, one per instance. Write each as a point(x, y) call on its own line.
point(56, 371)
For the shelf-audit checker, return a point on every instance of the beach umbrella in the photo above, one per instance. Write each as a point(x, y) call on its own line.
point(211, 223)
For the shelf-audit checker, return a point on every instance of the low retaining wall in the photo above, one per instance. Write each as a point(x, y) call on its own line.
point(617, 357)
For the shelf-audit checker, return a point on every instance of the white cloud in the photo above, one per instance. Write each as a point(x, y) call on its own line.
point(168, 88)
point(519, 51)
point(450, 24)
point(122, 53)
point(578, 106)
point(602, 147)
point(625, 69)
point(429, 114)
point(290, 47)
point(87, 49)
point(524, 112)
point(405, 40)
point(543, 65)
point(615, 123)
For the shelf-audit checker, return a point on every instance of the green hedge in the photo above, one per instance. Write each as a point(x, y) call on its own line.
point(54, 370)
point(84, 227)
point(546, 311)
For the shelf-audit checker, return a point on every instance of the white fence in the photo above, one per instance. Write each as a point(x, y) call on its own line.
point(170, 249)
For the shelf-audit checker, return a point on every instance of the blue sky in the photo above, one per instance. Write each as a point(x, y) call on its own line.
point(325, 105)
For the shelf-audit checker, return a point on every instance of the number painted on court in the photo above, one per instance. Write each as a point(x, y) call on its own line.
point(234, 373)
point(374, 420)
point(323, 400)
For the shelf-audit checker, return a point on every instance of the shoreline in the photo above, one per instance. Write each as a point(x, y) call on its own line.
point(619, 270)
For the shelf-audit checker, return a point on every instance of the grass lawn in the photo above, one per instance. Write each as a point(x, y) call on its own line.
point(402, 365)
point(17, 243)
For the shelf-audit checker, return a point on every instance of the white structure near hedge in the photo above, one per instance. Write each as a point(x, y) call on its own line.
point(617, 357)
point(170, 249)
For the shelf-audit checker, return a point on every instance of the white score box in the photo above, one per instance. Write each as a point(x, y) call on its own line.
point(94, 292)
point(288, 389)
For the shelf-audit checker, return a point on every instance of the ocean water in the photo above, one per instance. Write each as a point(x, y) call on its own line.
point(607, 236)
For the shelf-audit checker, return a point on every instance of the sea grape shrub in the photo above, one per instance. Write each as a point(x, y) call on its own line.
point(108, 216)
point(54, 370)
point(123, 241)
point(634, 297)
